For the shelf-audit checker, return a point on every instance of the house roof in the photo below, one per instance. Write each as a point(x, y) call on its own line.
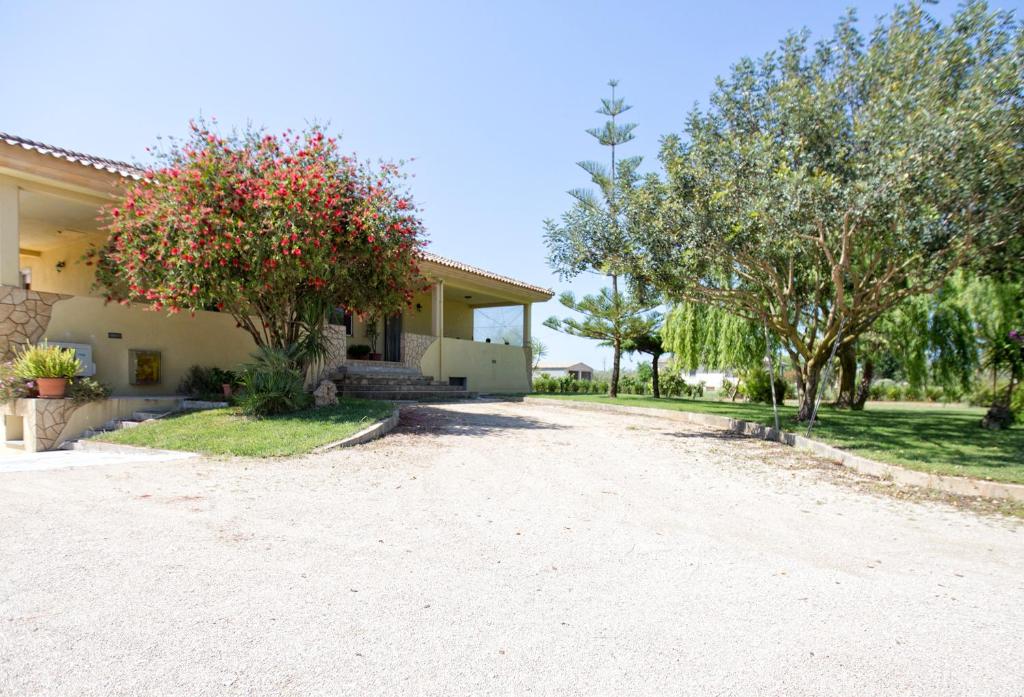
point(129, 171)
point(101, 163)
point(460, 266)
point(565, 366)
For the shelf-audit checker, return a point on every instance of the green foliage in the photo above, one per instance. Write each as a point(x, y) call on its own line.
point(271, 384)
point(538, 350)
point(11, 385)
point(756, 386)
point(207, 383)
point(672, 385)
point(607, 317)
point(358, 352)
point(274, 230)
point(700, 335)
point(546, 384)
point(45, 361)
point(929, 339)
point(826, 183)
point(592, 235)
point(85, 390)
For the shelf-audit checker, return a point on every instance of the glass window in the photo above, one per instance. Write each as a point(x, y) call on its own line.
point(144, 367)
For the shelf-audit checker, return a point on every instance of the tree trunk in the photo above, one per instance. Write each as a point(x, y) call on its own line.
point(613, 388)
point(807, 385)
point(866, 376)
point(848, 376)
point(654, 376)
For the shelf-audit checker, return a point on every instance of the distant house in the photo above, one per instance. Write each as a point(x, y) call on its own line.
point(580, 371)
point(712, 379)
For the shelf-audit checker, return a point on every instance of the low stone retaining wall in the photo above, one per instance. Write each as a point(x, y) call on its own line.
point(46, 424)
point(962, 486)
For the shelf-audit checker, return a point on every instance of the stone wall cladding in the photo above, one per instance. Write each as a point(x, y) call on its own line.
point(337, 344)
point(414, 346)
point(24, 317)
point(44, 420)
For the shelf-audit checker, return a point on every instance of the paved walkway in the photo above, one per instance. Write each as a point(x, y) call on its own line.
point(17, 460)
point(502, 549)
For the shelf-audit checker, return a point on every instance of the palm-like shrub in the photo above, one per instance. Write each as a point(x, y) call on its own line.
point(271, 384)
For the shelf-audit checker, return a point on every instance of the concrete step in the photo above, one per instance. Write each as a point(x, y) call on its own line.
point(413, 396)
point(147, 415)
point(376, 368)
point(381, 380)
point(400, 387)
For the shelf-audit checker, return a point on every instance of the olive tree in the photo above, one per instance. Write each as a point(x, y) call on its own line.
point(826, 183)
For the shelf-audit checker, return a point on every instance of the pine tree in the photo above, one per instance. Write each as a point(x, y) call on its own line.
point(592, 236)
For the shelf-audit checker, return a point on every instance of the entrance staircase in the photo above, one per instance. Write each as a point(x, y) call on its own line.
point(395, 382)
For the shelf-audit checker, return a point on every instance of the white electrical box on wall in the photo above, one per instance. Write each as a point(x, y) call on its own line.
point(83, 352)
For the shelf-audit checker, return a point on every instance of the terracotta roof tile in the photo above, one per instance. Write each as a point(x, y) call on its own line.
point(131, 171)
point(453, 264)
point(113, 166)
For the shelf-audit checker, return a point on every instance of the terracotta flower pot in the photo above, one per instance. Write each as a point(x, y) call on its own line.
point(226, 387)
point(52, 388)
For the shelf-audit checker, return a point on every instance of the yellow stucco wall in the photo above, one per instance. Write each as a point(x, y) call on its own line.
point(208, 339)
point(74, 279)
point(418, 321)
point(487, 367)
point(458, 320)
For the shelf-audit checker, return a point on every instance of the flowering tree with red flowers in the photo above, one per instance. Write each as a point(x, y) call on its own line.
point(274, 230)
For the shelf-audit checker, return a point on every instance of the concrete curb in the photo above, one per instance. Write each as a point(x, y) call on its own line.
point(372, 432)
point(962, 486)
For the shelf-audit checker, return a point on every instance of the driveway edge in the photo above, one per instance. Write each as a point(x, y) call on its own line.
point(962, 486)
point(371, 432)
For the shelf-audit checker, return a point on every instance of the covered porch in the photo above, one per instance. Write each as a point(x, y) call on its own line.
point(471, 328)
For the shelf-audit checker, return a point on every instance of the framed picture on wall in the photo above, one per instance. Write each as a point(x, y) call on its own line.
point(143, 367)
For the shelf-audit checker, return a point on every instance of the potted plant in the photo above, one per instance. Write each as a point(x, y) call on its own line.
point(50, 367)
point(372, 334)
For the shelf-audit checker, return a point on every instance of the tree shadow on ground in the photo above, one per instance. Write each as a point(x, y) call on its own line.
point(428, 419)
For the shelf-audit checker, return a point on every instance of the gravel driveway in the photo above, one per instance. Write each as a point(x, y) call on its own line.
point(502, 549)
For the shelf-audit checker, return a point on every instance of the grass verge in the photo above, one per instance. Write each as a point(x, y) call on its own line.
point(939, 439)
point(228, 432)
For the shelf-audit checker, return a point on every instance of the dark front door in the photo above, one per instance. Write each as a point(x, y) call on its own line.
point(393, 338)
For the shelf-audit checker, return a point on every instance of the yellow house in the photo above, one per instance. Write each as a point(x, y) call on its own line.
point(49, 205)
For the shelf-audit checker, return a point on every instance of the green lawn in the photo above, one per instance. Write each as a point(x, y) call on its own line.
point(931, 438)
point(228, 432)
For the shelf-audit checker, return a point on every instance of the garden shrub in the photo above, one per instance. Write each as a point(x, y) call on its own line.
point(756, 387)
point(207, 383)
point(12, 386)
point(545, 384)
point(84, 390)
point(271, 384)
point(358, 352)
point(673, 386)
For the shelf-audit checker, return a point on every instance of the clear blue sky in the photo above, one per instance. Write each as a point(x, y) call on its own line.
point(491, 98)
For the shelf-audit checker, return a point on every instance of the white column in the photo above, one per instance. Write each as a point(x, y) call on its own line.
point(437, 309)
point(526, 325)
point(10, 238)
